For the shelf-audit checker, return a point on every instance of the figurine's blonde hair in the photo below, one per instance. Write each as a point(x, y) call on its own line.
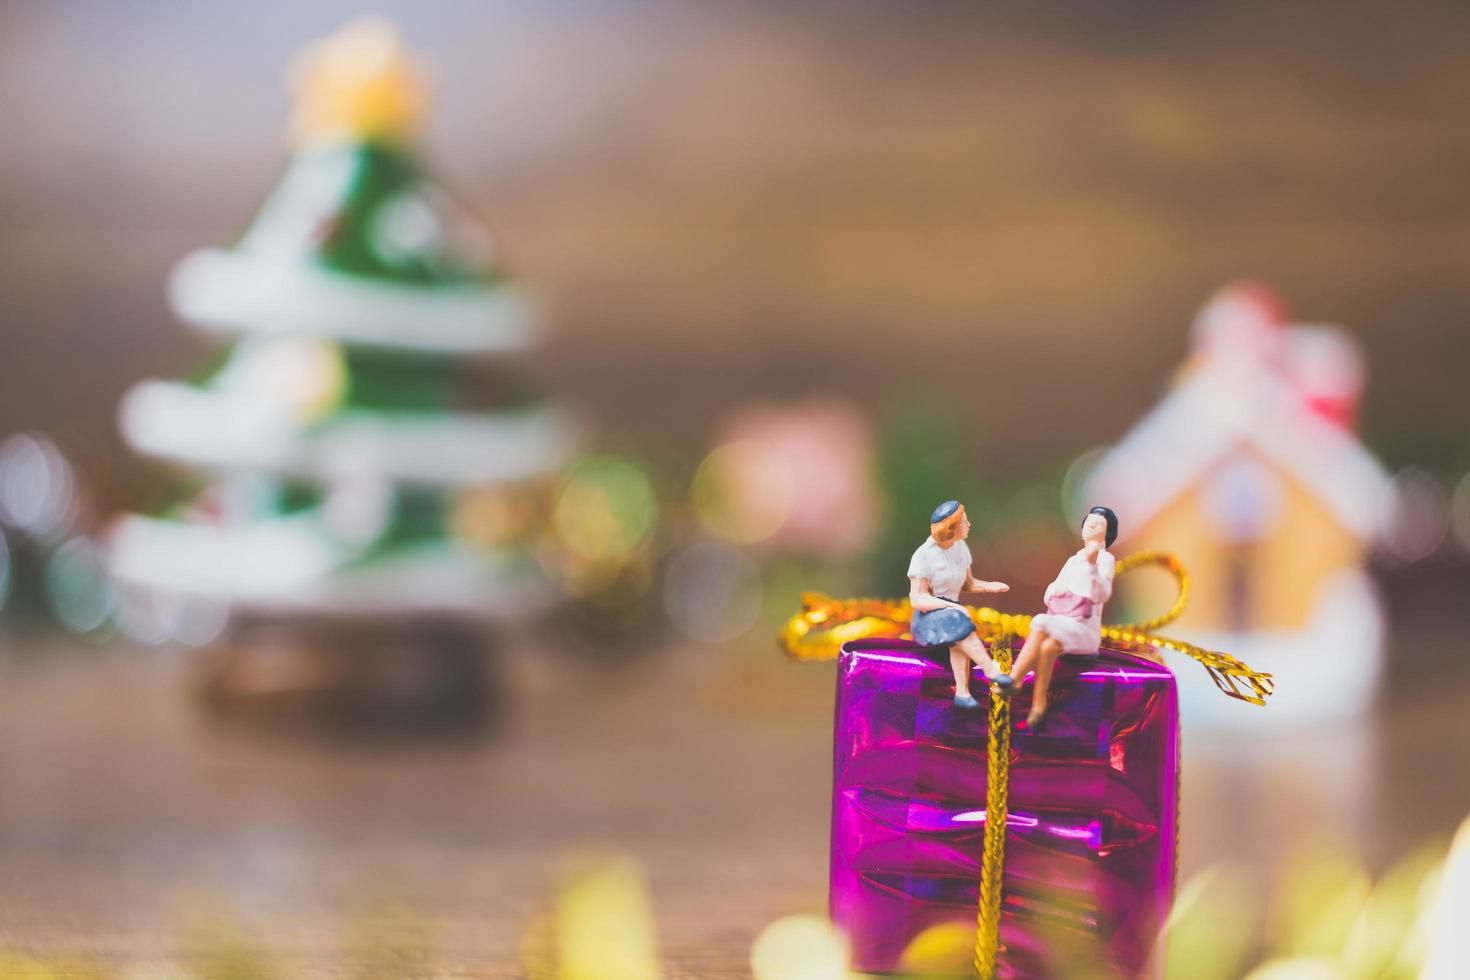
point(948, 530)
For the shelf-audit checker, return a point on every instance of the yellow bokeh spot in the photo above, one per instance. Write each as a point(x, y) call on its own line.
point(604, 509)
point(1298, 968)
point(316, 380)
point(1212, 928)
point(493, 518)
point(1322, 891)
point(20, 968)
point(304, 377)
point(799, 947)
point(1447, 938)
point(603, 922)
point(358, 84)
point(945, 950)
point(1385, 940)
point(741, 493)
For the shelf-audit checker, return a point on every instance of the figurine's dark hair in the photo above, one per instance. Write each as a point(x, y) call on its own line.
point(1112, 519)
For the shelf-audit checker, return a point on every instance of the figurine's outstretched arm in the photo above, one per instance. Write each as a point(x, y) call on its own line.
point(973, 584)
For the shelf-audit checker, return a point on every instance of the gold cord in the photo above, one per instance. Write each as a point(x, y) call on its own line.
point(997, 793)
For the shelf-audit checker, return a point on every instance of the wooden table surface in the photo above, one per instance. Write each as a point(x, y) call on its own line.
point(123, 807)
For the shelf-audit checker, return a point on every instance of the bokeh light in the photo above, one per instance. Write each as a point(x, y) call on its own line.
point(799, 947)
point(794, 477)
point(1446, 934)
point(1321, 893)
point(196, 622)
point(713, 591)
point(4, 570)
point(603, 924)
point(492, 518)
point(1297, 968)
point(1420, 516)
point(605, 508)
point(1074, 482)
point(358, 510)
point(37, 488)
point(306, 377)
point(1388, 939)
point(141, 615)
point(1460, 512)
point(943, 950)
point(1212, 927)
point(741, 492)
point(78, 589)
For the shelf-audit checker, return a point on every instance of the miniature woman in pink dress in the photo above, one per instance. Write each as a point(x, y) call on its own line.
point(1072, 622)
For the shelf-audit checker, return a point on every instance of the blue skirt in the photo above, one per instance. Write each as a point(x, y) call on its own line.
point(941, 627)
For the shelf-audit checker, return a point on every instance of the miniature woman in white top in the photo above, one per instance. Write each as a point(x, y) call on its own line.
point(938, 573)
point(1072, 622)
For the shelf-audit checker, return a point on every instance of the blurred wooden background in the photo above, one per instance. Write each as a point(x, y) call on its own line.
point(731, 200)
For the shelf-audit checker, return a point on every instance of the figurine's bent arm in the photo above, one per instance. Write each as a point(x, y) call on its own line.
point(922, 598)
point(1102, 582)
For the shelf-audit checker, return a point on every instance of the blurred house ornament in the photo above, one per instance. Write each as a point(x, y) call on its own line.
point(1250, 468)
point(1074, 862)
point(351, 459)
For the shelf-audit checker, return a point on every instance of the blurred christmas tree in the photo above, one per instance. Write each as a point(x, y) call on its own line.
point(365, 450)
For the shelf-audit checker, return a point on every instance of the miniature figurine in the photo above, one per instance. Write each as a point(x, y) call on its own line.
point(1072, 622)
point(938, 573)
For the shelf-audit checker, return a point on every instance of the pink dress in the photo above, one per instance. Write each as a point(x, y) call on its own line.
point(1074, 603)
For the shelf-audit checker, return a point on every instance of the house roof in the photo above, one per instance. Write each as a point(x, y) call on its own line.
point(1226, 402)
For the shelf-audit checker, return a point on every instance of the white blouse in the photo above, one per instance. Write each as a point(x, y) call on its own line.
point(945, 568)
point(1080, 577)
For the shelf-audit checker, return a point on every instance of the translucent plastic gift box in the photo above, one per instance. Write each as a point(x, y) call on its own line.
point(1092, 827)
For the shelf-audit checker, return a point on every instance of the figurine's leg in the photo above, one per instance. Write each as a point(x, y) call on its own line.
point(1026, 659)
point(959, 662)
point(1048, 650)
point(974, 648)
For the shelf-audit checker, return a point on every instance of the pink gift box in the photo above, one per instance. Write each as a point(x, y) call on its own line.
point(1091, 832)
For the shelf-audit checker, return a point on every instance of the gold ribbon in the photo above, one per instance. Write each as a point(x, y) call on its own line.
point(825, 624)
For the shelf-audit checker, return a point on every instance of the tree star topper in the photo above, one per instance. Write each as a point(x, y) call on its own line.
point(358, 84)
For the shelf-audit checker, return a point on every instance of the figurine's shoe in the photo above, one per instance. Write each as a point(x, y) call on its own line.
point(1033, 721)
point(965, 701)
point(1002, 682)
